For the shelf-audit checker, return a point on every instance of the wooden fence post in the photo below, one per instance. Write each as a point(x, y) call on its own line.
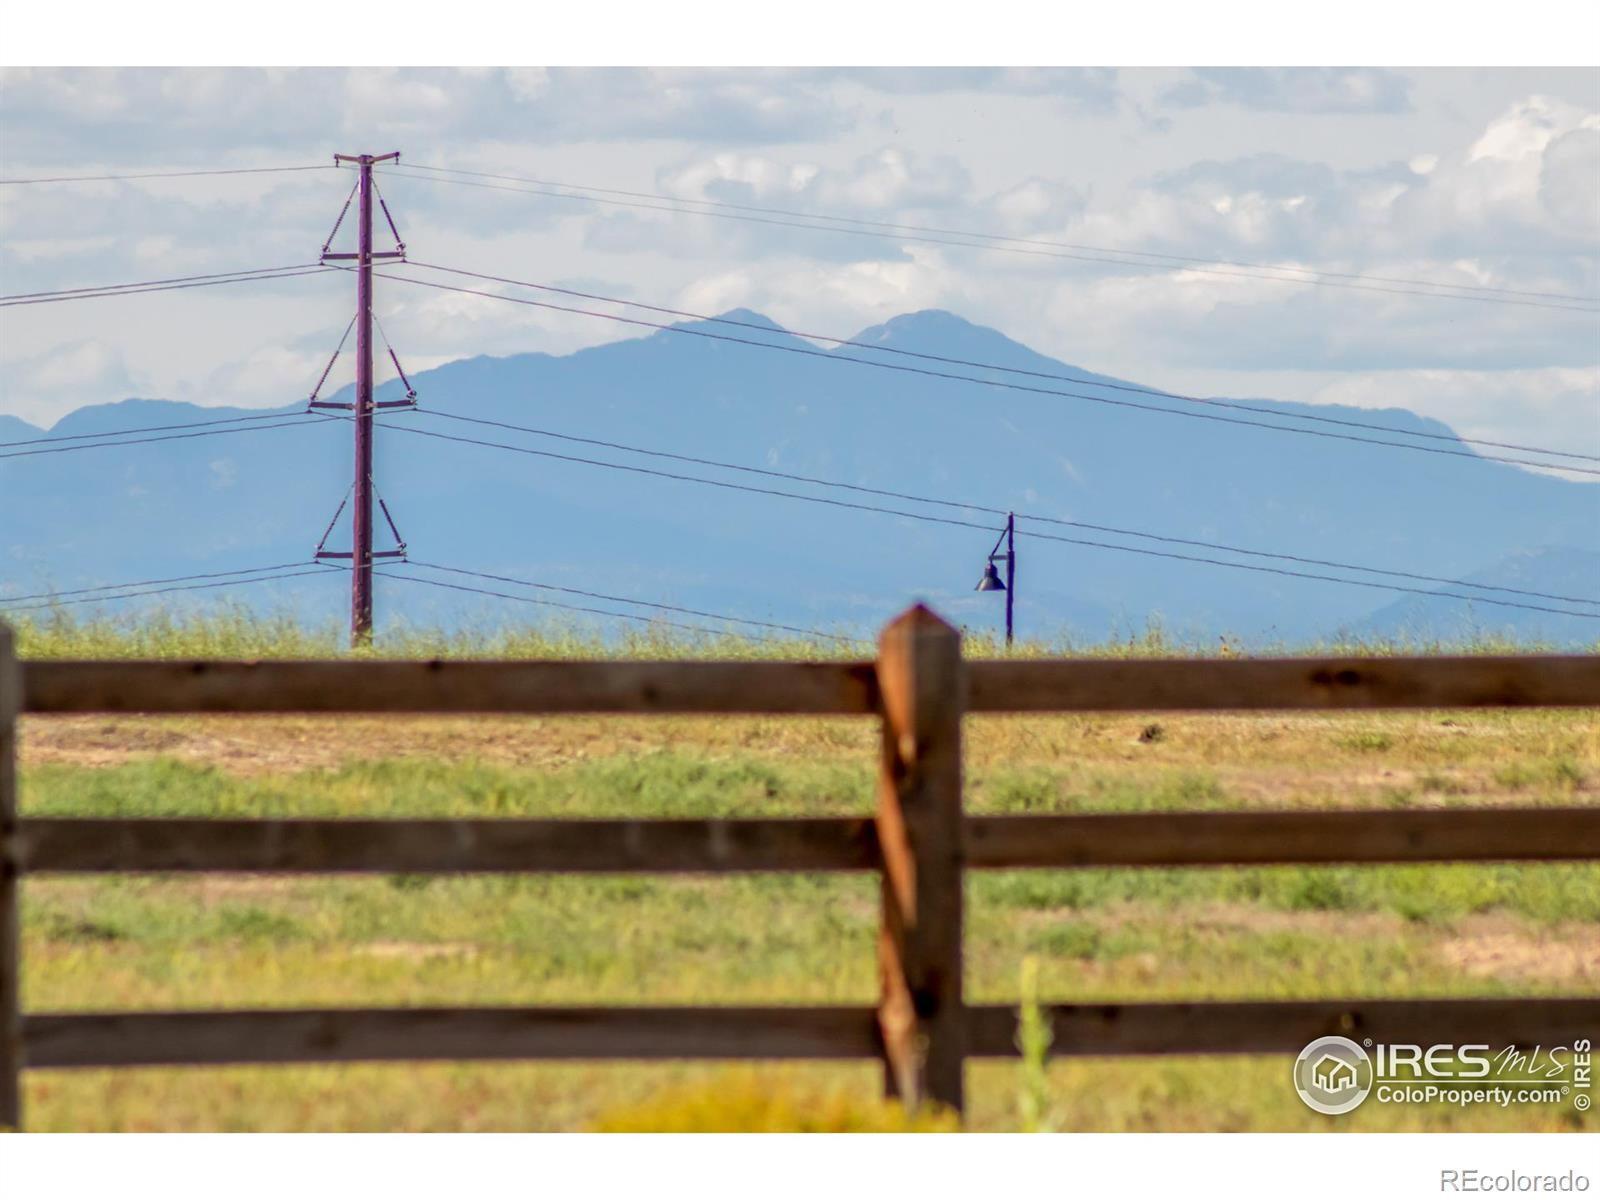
point(921, 1014)
point(10, 936)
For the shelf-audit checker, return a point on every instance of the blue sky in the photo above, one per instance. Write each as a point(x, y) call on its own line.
point(1462, 175)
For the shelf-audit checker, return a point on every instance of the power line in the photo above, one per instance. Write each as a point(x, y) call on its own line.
point(1389, 587)
point(915, 516)
point(304, 419)
point(193, 587)
point(964, 362)
point(56, 599)
point(79, 437)
point(679, 207)
point(170, 174)
point(1001, 512)
point(136, 289)
point(112, 587)
point(810, 352)
point(1314, 272)
point(602, 612)
point(111, 287)
point(693, 612)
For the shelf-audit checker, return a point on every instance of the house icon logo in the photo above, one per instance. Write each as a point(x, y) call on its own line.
point(1333, 1075)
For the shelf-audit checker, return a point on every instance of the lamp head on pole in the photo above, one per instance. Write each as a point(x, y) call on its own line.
point(991, 580)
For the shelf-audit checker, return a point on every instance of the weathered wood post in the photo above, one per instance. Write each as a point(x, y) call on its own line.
point(10, 943)
point(921, 1014)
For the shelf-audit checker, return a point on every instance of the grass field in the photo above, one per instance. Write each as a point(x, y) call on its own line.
point(136, 942)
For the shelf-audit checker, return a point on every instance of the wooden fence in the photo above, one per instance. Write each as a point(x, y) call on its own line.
point(919, 840)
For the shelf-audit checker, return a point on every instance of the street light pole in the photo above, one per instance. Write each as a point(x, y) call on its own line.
point(991, 581)
point(1011, 571)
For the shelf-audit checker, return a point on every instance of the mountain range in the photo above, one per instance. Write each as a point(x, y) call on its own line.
point(1087, 450)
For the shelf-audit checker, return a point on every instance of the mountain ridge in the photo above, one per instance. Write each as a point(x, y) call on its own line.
point(808, 414)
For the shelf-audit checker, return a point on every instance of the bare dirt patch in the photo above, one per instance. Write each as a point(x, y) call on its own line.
point(274, 745)
point(1525, 956)
point(417, 951)
point(1229, 918)
point(1487, 946)
point(1418, 760)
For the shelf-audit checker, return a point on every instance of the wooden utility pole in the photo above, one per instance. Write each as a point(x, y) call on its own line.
point(361, 513)
point(921, 1015)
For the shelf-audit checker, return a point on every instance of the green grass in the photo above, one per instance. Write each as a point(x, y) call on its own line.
point(1096, 935)
point(1114, 1095)
point(669, 784)
point(177, 941)
point(236, 630)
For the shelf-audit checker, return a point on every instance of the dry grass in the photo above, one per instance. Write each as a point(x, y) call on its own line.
point(1097, 935)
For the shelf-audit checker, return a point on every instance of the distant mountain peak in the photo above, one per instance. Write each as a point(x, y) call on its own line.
point(749, 316)
point(921, 323)
point(936, 331)
point(737, 316)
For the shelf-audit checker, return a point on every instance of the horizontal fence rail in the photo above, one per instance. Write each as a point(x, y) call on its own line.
point(376, 1035)
point(80, 845)
point(842, 689)
point(449, 687)
point(919, 841)
point(1207, 839)
point(420, 1034)
point(1244, 684)
point(1285, 1026)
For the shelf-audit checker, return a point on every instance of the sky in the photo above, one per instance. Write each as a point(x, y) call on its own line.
point(1473, 176)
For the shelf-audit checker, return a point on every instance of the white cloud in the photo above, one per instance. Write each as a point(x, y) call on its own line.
point(1037, 204)
point(1569, 181)
point(88, 371)
point(1089, 88)
point(1295, 89)
point(211, 117)
point(1543, 406)
point(1505, 199)
point(890, 179)
point(1522, 183)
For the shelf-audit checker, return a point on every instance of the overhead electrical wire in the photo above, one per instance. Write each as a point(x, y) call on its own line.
point(1562, 301)
point(310, 268)
point(301, 420)
point(1001, 512)
point(826, 356)
point(170, 174)
point(139, 583)
point(601, 612)
point(1318, 272)
point(964, 362)
point(107, 287)
point(926, 517)
point(192, 587)
point(288, 571)
point(692, 612)
point(79, 437)
point(256, 275)
point(1126, 257)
